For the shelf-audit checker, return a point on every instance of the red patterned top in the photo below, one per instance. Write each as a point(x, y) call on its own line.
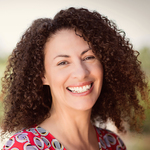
point(37, 138)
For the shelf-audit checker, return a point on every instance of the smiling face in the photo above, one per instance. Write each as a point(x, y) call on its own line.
point(72, 71)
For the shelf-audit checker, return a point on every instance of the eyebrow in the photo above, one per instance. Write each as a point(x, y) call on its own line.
point(67, 56)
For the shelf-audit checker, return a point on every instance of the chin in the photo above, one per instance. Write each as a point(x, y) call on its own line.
point(83, 106)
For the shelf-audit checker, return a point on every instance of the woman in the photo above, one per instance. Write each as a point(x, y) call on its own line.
point(67, 74)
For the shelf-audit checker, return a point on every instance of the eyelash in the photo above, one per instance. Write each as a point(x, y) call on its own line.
point(89, 57)
point(86, 58)
point(62, 63)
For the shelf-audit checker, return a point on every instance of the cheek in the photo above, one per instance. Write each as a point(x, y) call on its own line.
point(58, 77)
point(97, 70)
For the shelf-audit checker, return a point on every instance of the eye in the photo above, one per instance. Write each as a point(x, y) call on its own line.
point(89, 57)
point(62, 63)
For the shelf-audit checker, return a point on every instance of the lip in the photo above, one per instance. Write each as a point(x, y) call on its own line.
point(81, 84)
point(84, 93)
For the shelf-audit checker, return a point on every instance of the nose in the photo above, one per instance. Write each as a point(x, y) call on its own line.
point(80, 71)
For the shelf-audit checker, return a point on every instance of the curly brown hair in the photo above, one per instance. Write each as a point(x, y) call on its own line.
point(28, 102)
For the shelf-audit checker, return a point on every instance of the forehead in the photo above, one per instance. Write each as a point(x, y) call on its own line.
point(65, 40)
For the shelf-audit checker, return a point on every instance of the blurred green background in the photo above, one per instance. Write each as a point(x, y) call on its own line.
point(141, 141)
point(132, 140)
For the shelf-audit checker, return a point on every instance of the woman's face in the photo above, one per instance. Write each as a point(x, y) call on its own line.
point(72, 71)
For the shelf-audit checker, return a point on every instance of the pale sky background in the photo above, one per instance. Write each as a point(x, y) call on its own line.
point(133, 16)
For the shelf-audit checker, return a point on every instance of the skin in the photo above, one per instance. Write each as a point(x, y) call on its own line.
point(69, 62)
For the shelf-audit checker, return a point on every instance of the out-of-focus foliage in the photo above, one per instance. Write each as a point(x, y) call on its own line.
point(2, 68)
point(146, 128)
point(145, 59)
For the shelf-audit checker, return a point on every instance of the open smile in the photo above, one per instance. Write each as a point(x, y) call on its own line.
point(80, 89)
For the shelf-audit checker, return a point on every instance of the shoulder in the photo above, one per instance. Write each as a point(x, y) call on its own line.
point(108, 138)
point(27, 139)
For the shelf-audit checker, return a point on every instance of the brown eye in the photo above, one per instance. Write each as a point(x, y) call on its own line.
point(63, 63)
point(89, 57)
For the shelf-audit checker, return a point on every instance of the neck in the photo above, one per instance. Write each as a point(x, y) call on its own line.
point(73, 120)
point(71, 123)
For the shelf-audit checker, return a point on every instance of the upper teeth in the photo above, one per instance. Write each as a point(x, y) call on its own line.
point(80, 89)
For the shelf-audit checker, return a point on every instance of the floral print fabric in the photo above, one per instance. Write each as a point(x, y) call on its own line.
point(37, 138)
